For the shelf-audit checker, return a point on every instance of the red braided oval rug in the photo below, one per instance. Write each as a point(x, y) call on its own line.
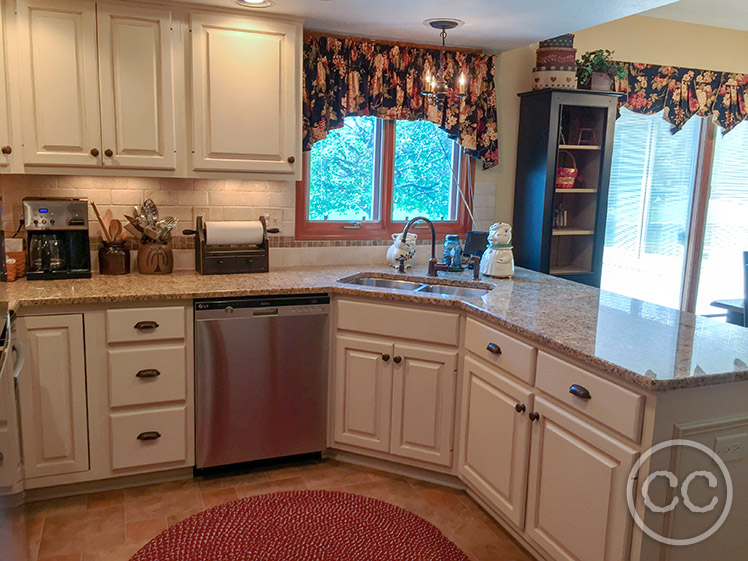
point(302, 525)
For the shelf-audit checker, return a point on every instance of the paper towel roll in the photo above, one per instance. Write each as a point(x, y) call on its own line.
point(233, 232)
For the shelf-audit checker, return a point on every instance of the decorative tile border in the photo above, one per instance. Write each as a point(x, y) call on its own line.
point(188, 242)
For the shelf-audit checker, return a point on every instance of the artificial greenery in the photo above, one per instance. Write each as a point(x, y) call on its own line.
point(600, 60)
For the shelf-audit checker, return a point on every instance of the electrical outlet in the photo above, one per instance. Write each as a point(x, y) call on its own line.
point(732, 447)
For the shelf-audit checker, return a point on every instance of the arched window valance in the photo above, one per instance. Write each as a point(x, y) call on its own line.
point(346, 76)
point(684, 92)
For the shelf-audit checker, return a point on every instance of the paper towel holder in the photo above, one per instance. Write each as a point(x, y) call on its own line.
point(230, 259)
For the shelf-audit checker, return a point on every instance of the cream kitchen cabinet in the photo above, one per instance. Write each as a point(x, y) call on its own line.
point(495, 443)
point(52, 395)
point(576, 498)
point(395, 397)
point(7, 144)
point(246, 94)
point(10, 458)
point(100, 87)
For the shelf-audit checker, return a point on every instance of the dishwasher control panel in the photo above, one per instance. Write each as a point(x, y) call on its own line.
point(262, 306)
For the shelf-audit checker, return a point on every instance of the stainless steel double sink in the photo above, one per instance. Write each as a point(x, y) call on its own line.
point(411, 286)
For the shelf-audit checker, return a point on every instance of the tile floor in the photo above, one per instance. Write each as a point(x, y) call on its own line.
point(113, 525)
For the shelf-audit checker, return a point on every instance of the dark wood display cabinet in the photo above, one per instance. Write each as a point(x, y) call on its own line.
point(564, 151)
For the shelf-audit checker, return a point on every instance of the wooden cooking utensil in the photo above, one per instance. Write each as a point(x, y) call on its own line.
point(108, 217)
point(104, 231)
point(115, 229)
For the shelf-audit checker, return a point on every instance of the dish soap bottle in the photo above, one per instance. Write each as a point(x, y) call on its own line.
point(452, 255)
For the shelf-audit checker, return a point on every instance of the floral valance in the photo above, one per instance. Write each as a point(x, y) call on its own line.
point(347, 77)
point(684, 92)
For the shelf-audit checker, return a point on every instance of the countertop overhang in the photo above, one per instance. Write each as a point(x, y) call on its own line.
point(644, 344)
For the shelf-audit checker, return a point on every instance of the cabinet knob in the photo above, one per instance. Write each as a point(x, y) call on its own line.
point(6, 150)
point(520, 408)
point(397, 359)
point(141, 325)
point(95, 152)
point(108, 153)
point(580, 391)
point(493, 348)
point(385, 357)
point(148, 373)
point(291, 159)
point(149, 435)
point(534, 416)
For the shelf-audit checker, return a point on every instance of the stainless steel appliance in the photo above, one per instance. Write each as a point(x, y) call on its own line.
point(58, 238)
point(232, 258)
point(261, 374)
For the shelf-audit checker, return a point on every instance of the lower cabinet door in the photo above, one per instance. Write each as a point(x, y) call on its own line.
point(363, 386)
point(148, 438)
point(52, 391)
point(423, 395)
point(576, 500)
point(495, 442)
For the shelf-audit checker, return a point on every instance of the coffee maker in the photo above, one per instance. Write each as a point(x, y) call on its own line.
point(58, 238)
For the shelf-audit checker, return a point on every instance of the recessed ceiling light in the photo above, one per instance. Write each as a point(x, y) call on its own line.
point(254, 3)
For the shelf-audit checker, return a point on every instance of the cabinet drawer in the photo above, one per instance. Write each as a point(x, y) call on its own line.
point(148, 438)
point(514, 357)
point(614, 406)
point(392, 321)
point(147, 375)
point(144, 324)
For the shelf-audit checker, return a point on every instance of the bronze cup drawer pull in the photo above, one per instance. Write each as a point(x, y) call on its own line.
point(149, 435)
point(493, 348)
point(580, 391)
point(148, 373)
point(143, 325)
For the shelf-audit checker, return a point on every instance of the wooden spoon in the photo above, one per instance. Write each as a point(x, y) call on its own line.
point(108, 217)
point(115, 229)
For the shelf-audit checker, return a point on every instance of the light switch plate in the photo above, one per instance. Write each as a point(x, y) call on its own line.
point(732, 447)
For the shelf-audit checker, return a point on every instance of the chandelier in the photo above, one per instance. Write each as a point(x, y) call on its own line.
point(435, 87)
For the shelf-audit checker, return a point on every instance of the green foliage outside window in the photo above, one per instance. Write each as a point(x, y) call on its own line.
point(342, 172)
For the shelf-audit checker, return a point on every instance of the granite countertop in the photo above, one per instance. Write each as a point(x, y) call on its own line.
point(645, 344)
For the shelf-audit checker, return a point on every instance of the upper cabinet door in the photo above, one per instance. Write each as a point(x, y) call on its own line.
point(60, 82)
point(137, 96)
point(246, 102)
point(5, 136)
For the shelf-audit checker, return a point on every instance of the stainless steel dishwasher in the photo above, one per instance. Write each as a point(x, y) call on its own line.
point(261, 378)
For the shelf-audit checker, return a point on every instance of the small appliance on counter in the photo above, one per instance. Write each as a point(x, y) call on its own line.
point(231, 246)
point(57, 238)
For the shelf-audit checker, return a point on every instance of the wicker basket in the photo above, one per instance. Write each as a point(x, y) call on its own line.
point(566, 177)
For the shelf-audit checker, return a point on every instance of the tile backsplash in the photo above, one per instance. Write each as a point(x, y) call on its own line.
point(216, 199)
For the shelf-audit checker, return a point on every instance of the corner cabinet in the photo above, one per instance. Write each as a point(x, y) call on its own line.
point(564, 152)
point(246, 94)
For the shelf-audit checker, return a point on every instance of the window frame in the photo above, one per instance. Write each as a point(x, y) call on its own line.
point(307, 230)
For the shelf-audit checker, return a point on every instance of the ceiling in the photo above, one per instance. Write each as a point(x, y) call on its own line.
point(489, 24)
point(732, 14)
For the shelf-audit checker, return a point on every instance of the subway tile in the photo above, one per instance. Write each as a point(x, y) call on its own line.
point(161, 197)
point(209, 184)
point(239, 213)
point(192, 198)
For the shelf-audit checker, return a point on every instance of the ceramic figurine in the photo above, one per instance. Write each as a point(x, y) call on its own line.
point(498, 259)
point(399, 249)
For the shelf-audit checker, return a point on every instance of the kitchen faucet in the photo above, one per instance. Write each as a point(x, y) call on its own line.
point(434, 266)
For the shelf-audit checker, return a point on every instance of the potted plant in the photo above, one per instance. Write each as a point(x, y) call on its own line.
point(596, 70)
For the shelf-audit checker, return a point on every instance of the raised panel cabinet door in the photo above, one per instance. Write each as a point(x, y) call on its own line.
point(5, 134)
point(137, 87)
point(363, 388)
point(576, 498)
point(495, 443)
point(60, 105)
point(423, 403)
point(246, 100)
point(52, 391)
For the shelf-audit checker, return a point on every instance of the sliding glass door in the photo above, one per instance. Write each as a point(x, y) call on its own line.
point(651, 184)
point(726, 231)
point(661, 186)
